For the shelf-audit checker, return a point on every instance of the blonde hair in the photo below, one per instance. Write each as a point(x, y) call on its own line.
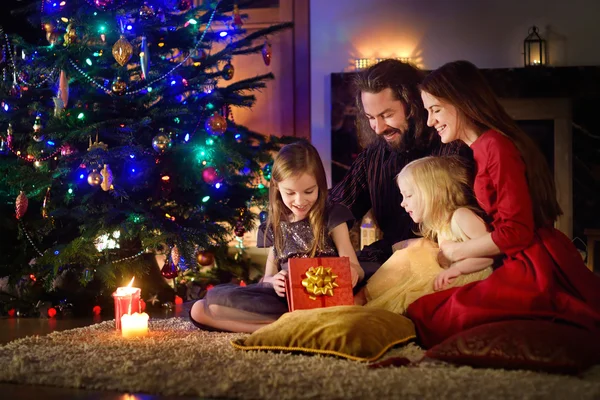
point(293, 160)
point(442, 185)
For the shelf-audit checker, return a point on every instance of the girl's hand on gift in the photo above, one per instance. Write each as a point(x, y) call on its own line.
point(445, 278)
point(278, 281)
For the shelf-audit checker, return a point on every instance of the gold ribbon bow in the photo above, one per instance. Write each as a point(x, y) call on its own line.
point(319, 281)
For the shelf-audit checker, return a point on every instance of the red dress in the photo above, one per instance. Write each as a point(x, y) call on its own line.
point(543, 275)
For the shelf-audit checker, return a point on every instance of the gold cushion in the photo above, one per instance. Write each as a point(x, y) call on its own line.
point(352, 332)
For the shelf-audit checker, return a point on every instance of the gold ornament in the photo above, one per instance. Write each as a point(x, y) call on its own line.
point(94, 178)
point(122, 50)
point(70, 36)
point(119, 87)
point(216, 124)
point(107, 178)
point(205, 258)
point(319, 281)
point(161, 142)
point(97, 144)
point(228, 71)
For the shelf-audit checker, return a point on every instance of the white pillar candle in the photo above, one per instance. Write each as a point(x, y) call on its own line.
point(134, 325)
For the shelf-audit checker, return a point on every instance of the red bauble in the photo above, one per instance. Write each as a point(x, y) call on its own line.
point(21, 205)
point(266, 53)
point(216, 124)
point(211, 176)
point(207, 288)
point(51, 312)
point(178, 300)
point(242, 283)
point(96, 310)
point(11, 312)
point(169, 270)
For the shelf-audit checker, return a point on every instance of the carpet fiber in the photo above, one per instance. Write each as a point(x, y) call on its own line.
point(179, 359)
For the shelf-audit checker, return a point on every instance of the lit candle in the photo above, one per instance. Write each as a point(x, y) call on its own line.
point(127, 301)
point(134, 325)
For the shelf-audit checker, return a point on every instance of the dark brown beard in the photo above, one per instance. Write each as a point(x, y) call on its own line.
point(401, 145)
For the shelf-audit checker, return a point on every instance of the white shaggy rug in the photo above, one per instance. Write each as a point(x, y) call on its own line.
point(179, 359)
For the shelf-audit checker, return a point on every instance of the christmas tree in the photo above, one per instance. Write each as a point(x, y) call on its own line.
point(118, 143)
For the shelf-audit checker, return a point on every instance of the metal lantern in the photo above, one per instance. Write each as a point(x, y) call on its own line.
point(534, 49)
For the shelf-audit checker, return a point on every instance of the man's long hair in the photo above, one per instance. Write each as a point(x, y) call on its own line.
point(403, 79)
point(462, 85)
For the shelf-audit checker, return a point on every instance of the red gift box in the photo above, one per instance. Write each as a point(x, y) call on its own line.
point(319, 282)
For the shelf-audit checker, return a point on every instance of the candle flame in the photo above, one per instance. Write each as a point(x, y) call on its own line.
point(131, 283)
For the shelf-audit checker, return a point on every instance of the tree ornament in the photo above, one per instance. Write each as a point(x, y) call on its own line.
point(70, 36)
point(144, 57)
point(97, 310)
point(23, 76)
point(205, 258)
point(122, 50)
point(15, 90)
point(66, 149)
point(53, 38)
point(169, 270)
point(3, 146)
point(211, 176)
point(146, 11)
point(228, 71)
point(119, 87)
point(262, 216)
point(49, 28)
point(267, 53)
point(21, 205)
point(184, 5)
point(239, 229)
point(37, 128)
point(45, 203)
point(94, 178)
point(88, 275)
point(63, 89)
point(216, 124)
point(267, 170)
point(51, 312)
point(59, 106)
point(161, 143)
point(97, 144)
point(237, 18)
point(100, 4)
point(107, 178)
point(175, 256)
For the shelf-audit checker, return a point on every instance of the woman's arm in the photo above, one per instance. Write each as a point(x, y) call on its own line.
point(341, 238)
point(480, 244)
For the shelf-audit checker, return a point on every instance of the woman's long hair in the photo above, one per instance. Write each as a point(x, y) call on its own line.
point(403, 79)
point(462, 85)
point(293, 160)
point(442, 185)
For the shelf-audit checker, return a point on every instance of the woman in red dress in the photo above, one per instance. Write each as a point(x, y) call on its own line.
point(542, 275)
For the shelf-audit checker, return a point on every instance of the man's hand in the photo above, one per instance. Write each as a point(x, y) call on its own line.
point(445, 278)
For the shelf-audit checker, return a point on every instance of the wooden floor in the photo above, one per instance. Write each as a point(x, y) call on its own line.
point(15, 328)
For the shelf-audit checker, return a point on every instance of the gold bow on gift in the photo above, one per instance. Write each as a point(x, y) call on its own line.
point(319, 281)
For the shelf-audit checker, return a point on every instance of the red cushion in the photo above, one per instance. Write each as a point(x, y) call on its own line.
point(536, 345)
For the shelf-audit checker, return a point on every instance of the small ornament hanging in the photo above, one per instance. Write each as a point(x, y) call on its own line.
point(239, 229)
point(66, 149)
point(70, 36)
point(119, 87)
point(15, 90)
point(267, 170)
point(236, 21)
point(37, 129)
point(211, 176)
point(21, 205)
point(228, 71)
point(94, 178)
point(267, 53)
point(88, 275)
point(97, 144)
point(63, 88)
point(97, 310)
point(45, 203)
point(122, 50)
point(3, 146)
point(169, 270)
point(205, 258)
point(100, 4)
point(175, 256)
point(107, 178)
point(144, 57)
point(262, 216)
point(147, 11)
point(184, 5)
point(216, 124)
point(161, 143)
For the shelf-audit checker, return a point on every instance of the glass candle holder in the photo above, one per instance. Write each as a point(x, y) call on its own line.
point(127, 301)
